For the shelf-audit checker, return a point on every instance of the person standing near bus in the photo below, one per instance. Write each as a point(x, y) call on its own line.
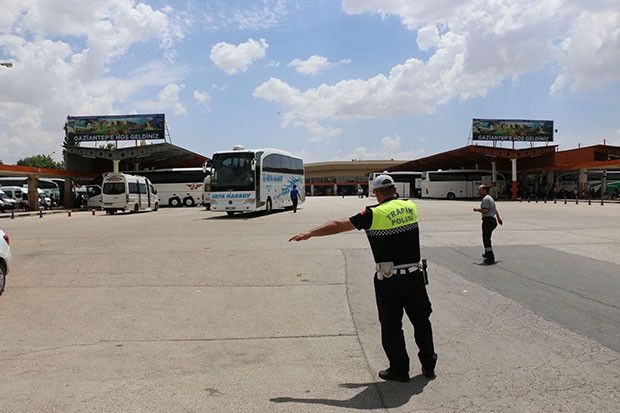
point(399, 281)
point(295, 197)
point(490, 219)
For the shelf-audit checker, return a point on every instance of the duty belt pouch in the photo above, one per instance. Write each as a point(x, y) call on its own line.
point(385, 270)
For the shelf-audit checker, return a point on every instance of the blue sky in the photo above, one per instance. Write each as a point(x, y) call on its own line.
point(325, 79)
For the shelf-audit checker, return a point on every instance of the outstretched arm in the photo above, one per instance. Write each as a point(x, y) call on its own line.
point(331, 228)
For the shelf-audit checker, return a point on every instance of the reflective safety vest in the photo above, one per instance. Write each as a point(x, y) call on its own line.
point(393, 234)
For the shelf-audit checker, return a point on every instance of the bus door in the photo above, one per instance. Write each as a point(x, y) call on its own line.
point(152, 193)
point(402, 189)
point(486, 180)
point(140, 193)
point(258, 179)
point(471, 188)
point(145, 194)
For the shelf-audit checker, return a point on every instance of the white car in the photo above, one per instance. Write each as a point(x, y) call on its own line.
point(5, 259)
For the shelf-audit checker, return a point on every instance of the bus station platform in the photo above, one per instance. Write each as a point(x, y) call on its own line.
point(187, 310)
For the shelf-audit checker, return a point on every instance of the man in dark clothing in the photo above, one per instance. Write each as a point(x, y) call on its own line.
point(392, 231)
point(295, 197)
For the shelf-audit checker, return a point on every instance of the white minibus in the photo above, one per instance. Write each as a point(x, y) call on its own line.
point(122, 192)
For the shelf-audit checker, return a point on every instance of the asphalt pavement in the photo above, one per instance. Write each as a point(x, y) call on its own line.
point(187, 310)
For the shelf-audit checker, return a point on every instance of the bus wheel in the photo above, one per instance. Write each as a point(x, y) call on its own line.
point(451, 196)
point(230, 213)
point(189, 202)
point(174, 202)
point(156, 206)
point(135, 208)
point(269, 207)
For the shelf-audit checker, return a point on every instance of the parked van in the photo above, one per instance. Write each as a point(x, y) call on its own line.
point(122, 192)
point(94, 196)
point(16, 193)
point(6, 202)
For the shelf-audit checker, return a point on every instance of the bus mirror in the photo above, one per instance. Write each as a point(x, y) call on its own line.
point(208, 180)
point(253, 164)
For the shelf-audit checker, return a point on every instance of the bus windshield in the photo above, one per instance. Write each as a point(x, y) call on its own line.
point(233, 171)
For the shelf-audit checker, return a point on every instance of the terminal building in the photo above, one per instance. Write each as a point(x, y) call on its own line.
point(529, 171)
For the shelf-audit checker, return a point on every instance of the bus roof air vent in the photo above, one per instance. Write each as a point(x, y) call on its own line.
point(238, 148)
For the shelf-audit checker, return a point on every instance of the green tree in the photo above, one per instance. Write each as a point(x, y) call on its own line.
point(41, 161)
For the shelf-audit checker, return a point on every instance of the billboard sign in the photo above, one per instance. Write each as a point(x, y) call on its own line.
point(115, 128)
point(512, 130)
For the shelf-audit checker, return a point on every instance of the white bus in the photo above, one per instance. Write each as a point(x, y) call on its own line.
point(178, 186)
point(459, 183)
point(128, 192)
point(568, 183)
point(255, 180)
point(407, 183)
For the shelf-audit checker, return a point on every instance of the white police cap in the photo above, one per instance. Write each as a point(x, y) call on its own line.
point(382, 181)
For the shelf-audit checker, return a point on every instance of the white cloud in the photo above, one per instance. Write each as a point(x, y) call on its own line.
point(319, 133)
point(64, 55)
point(389, 148)
point(203, 99)
point(428, 37)
point(168, 97)
point(312, 66)
point(411, 88)
point(476, 45)
point(167, 100)
point(233, 59)
point(590, 53)
point(254, 15)
point(514, 37)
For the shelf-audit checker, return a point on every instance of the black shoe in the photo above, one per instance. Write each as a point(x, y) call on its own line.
point(489, 261)
point(394, 376)
point(484, 255)
point(429, 374)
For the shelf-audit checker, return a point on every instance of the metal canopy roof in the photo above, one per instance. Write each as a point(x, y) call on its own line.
point(160, 155)
point(480, 157)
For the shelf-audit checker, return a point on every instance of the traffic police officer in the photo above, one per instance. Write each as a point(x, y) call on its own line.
point(393, 234)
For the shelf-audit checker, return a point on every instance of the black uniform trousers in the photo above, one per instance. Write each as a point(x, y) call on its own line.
point(406, 292)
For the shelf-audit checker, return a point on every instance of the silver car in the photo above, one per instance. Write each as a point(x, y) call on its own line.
point(5, 259)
